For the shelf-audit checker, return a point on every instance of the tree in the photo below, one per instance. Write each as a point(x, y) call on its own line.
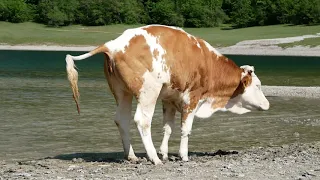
point(57, 12)
point(99, 12)
point(163, 12)
point(305, 12)
point(242, 13)
point(14, 11)
point(133, 12)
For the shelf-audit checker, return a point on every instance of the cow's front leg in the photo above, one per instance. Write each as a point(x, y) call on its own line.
point(187, 117)
point(168, 124)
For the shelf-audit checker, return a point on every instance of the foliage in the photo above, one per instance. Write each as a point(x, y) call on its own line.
point(199, 13)
point(245, 13)
point(185, 13)
point(57, 12)
point(132, 12)
point(14, 11)
point(163, 12)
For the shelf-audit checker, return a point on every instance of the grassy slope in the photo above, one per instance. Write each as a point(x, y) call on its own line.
point(32, 33)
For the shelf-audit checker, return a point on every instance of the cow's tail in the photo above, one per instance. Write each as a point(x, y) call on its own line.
point(73, 74)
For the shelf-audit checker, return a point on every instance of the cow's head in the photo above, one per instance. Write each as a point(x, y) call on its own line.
point(248, 95)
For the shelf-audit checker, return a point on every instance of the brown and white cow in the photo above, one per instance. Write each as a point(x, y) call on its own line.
point(184, 71)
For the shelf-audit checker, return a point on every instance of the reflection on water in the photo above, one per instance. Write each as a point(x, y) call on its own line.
point(38, 118)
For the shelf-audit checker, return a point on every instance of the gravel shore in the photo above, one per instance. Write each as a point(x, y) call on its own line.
point(292, 91)
point(293, 161)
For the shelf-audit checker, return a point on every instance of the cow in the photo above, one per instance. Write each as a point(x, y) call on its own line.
point(183, 71)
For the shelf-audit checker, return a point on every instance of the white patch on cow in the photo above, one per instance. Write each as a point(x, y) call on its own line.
point(121, 42)
point(234, 105)
point(145, 109)
point(205, 109)
point(246, 69)
point(159, 66)
point(186, 97)
point(212, 49)
point(149, 93)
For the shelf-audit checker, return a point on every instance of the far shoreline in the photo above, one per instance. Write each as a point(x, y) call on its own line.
point(271, 50)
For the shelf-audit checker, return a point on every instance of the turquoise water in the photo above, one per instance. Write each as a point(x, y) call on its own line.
point(38, 117)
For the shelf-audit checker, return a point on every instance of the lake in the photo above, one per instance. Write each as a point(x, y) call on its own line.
point(38, 116)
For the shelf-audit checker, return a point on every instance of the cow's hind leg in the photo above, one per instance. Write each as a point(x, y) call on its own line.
point(168, 121)
point(122, 120)
point(147, 100)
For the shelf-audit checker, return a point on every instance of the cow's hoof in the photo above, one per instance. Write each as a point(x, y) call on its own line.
point(157, 162)
point(164, 157)
point(185, 158)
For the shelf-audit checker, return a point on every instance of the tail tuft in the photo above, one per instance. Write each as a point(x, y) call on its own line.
point(73, 78)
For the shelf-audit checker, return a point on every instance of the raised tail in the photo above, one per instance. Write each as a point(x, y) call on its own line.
point(73, 74)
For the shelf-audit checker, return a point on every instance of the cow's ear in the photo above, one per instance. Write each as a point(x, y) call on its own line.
point(246, 81)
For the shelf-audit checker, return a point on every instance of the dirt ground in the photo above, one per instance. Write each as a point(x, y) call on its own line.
point(294, 161)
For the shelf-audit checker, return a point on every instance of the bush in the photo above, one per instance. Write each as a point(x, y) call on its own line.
point(15, 11)
point(99, 12)
point(304, 12)
point(200, 13)
point(242, 13)
point(57, 12)
point(133, 12)
point(163, 12)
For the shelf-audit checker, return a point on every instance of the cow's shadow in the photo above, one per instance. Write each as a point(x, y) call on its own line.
point(117, 157)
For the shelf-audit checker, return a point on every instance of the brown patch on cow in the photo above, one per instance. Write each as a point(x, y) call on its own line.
point(245, 82)
point(131, 65)
point(108, 71)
